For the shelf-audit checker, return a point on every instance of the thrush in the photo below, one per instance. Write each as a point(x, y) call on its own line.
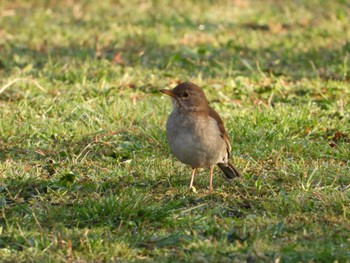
point(196, 133)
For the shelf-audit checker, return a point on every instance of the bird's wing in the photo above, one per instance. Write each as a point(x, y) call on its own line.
point(223, 133)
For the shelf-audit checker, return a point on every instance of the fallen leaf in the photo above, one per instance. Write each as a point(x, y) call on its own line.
point(118, 59)
point(339, 135)
point(307, 130)
point(332, 144)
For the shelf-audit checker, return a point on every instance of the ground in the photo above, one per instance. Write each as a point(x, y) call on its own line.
point(85, 170)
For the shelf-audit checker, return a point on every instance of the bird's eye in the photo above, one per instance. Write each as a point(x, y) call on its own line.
point(186, 94)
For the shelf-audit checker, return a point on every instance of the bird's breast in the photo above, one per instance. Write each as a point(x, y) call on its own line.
point(195, 139)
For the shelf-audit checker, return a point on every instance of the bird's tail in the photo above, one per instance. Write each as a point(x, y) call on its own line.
point(229, 170)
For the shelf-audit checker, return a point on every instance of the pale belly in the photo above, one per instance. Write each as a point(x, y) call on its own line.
point(197, 144)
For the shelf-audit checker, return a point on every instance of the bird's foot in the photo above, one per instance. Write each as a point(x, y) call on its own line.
point(193, 189)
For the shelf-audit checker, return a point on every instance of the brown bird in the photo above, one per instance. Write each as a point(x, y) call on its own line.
point(196, 133)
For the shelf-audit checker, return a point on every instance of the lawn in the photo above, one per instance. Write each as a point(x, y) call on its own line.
point(86, 174)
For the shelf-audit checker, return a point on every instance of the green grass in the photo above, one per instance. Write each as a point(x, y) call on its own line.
point(85, 170)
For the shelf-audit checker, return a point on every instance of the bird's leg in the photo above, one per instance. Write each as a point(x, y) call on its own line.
point(211, 178)
point(192, 177)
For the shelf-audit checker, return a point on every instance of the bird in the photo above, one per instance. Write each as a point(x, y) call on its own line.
point(196, 134)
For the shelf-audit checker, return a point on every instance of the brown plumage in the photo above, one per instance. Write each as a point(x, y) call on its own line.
point(196, 133)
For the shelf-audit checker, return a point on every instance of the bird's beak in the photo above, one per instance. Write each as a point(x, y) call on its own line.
point(168, 92)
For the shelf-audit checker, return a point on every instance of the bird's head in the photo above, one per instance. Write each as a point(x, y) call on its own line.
point(187, 96)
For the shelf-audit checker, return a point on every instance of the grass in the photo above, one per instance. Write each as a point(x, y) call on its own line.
point(86, 173)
